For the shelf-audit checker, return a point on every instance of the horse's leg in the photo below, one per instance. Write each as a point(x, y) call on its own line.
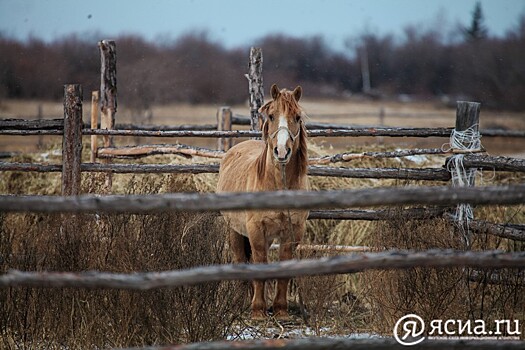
point(289, 242)
point(259, 249)
point(237, 248)
point(241, 254)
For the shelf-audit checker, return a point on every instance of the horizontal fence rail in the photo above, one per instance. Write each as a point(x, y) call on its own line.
point(431, 174)
point(379, 196)
point(324, 343)
point(393, 132)
point(395, 259)
point(55, 127)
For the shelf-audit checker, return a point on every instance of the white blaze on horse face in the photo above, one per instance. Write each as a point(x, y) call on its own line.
point(282, 137)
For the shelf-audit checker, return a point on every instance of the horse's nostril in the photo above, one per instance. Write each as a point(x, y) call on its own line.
point(275, 151)
point(288, 151)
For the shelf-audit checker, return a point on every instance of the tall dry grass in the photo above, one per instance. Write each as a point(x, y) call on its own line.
point(54, 318)
point(343, 304)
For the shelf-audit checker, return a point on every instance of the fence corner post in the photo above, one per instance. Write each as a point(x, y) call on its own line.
point(465, 138)
point(72, 140)
point(255, 86)
point(224, 123)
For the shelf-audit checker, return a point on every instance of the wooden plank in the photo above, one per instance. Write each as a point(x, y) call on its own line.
point(255, 87)
point(148, 150)
point(378, 196)
point(387, 260)
point(430, 174)
point(72, 140)
point(494, 163)
point(348, 156)
point(25, 124)
point(391, 132)
point(509, 231)
point(326, 248)
point(311, 343)
point(380, 214)
point(188, 131)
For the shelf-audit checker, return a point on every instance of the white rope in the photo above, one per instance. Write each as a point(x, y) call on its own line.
point(467, 141)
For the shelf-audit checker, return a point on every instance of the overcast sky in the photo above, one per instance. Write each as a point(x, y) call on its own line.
point(240, 22)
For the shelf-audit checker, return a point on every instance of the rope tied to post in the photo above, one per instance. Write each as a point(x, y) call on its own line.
point(466, 141)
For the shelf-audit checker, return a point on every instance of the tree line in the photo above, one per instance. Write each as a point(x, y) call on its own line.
point(194, 68)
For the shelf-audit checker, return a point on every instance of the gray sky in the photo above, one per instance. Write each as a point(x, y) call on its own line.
point(240, 22)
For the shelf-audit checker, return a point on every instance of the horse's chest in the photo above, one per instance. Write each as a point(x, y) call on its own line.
point(275, 223)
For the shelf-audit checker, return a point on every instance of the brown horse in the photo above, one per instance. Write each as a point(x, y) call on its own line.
point(277, 162)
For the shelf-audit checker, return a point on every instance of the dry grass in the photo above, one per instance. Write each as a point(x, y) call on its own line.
point(51, 318)
point(335, 304)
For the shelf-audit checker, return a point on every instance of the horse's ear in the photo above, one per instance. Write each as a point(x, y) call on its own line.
point(274, 91)
point(297, 93)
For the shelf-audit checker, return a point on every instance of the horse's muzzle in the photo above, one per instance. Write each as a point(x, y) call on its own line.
point(280, 155)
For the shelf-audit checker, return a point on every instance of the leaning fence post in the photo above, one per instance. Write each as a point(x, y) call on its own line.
point(72, 140)
point(224, 123)
point(108, 93)
point(255, 85)
point(465, 138)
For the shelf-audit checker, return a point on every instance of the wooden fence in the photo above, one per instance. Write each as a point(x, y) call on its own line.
point(72, 129)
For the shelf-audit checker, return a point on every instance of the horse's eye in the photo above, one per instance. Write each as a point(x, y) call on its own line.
point(271, 117)
point(298, 118)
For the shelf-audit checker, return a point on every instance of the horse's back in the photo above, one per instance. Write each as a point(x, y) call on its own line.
point(238, 165)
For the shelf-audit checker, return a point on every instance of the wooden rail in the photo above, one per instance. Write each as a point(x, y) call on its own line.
point(12, 126)
point(392, 132)
point(379, 196)
point(431, 174)
point(312, 343)
point(394, 259)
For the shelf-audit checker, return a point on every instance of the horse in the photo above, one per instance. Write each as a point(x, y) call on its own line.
point(279, 161)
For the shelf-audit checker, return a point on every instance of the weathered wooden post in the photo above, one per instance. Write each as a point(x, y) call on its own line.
point(224, 123)
point(465, 138)
point(94, 125)
point(108, 93)
point(467, 119)
point(40, 116)
point(72, 140)
point(255, 85)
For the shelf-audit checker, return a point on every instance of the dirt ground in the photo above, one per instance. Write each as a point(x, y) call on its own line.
point(352, 111)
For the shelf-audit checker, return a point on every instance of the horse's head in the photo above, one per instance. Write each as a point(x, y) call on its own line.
point(283, 128)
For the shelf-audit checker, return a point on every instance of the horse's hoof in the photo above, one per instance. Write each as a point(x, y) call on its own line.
point(282, 315)
point(258, 315)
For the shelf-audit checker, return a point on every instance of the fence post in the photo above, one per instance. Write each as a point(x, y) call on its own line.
point(464, 138)
point(72, 140)
point(94, 125)
point(108, 93)
point(40, 116)
point(255, 85)
point(224, 123)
